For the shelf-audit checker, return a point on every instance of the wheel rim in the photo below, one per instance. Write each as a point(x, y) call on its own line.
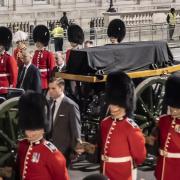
point(149, 95)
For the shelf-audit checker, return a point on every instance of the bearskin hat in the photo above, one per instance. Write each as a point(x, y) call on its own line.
point(20, 36)
point(34, 112)
point(120, 91)
point(172, 90)
point(117, 29)
point(5, 37)
point(75, 34)
point(41, 34)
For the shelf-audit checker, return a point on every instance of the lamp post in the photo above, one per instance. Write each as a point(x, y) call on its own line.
point(111, 9)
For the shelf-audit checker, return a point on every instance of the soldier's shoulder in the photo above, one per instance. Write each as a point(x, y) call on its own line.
point(50, 146)
point(22, 140)
point(163, 116)
point(132, 123)
point(106, 118)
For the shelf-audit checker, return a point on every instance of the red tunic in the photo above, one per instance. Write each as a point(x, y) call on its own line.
point(8, 72)
point(17, 56)
point(41, 161)
point(45, 62)
point(123, 142)
point(169, 136)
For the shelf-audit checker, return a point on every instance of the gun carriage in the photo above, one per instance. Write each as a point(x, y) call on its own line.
point(148, 63)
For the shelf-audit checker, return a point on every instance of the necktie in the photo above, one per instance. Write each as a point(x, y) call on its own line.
point(22, 76)
point(53, 110)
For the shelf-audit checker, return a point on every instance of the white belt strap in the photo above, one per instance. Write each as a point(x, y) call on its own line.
point(116, 160)
point(168, 154)
point(4, 75)
point(43, 70)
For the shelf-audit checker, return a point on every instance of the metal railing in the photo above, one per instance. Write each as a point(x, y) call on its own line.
point(148, 32)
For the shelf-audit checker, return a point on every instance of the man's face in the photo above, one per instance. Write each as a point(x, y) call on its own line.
point(117, 111)
point(73, 44)
point(113, 40)
point(59, 59)
point(39, 45)
point(33, 135)
point(54, 90)
point(26, 57)
point(87, 45)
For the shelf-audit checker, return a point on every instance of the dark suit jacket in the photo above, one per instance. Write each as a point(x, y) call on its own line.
point(32, 79)
point(56, 69)
point(67, 126)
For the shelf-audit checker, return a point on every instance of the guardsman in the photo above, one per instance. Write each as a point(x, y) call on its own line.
point(20, 38)
point(123, 144)
point(168, 133)
point(43, 59)
point(38, 159)
point(8, 65)
point(116, 31)
point(75, 37)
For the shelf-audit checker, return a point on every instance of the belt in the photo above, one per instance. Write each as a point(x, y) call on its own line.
point(43, 70)
point(116, 160)
point(168, 154)
point(4, 75)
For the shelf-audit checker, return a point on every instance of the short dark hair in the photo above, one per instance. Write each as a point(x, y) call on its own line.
point(172, 10)
point(88, 41)
point(59, 81)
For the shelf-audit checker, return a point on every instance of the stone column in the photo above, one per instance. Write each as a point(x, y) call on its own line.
point(14, 5)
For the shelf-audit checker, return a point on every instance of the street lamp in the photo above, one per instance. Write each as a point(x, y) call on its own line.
point(111, 9)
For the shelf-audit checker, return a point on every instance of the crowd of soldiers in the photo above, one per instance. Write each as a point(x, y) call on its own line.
point(57, 118)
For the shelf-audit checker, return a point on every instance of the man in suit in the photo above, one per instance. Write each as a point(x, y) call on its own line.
point(60, 64)
point(29, 75)
point(66, 125)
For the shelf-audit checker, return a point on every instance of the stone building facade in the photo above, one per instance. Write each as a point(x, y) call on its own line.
point(81, 11)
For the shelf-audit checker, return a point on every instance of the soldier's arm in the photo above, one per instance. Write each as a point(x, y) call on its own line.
point(75, 124)
point(13, 70)
point(57, 166)
point(136, 142)
point(51, 62)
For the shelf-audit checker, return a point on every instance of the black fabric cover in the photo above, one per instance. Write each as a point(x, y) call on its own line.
point(126, 57)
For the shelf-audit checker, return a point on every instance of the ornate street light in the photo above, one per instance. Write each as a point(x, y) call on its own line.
point(111, 9)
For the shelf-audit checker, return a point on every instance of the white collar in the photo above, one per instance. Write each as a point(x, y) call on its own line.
point(59, 99)
point(27, 66)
